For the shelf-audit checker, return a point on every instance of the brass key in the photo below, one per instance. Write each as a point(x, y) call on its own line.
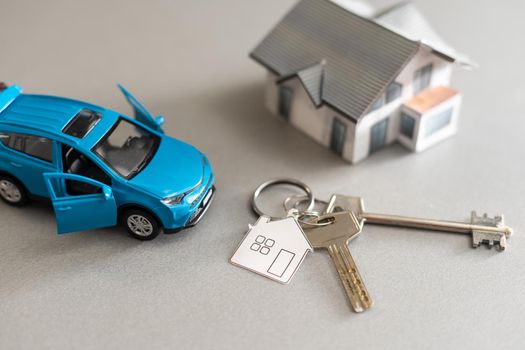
point(340, 228)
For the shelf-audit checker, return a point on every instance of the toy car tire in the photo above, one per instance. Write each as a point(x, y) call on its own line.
point(12, 191)
point(141, 225)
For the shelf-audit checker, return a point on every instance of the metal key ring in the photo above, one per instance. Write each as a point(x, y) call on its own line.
point(313, 214)
point(292, 202)
point(305, 213)
point(281, 181)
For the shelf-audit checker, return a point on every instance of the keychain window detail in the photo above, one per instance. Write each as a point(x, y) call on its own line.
point(262, 245)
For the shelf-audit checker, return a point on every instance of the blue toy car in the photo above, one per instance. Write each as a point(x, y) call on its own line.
point(99, 167)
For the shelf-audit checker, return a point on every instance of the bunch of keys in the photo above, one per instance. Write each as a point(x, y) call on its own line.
point(275, 247)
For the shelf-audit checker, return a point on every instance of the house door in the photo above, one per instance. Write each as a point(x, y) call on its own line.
point(378, 135)
point(338, 138)
point(285, 101)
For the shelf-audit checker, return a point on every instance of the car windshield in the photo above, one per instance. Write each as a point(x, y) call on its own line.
point(127, 148)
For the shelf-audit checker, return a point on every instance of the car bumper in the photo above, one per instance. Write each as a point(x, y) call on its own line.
point(198, 213)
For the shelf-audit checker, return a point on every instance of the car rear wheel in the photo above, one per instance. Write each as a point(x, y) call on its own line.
point(141, 225)
point(12, 192)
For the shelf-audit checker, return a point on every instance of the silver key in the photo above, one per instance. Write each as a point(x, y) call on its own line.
point(334, 237)
point(484, 229)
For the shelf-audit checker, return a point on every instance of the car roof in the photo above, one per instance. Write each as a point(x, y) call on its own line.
point(50, 114)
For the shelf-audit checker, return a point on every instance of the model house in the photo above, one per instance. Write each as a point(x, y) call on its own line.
point(356, 82)
point(273, 249)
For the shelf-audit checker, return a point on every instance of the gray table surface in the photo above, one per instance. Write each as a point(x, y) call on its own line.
point(188, 61)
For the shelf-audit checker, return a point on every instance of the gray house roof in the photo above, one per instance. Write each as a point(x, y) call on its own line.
point(343, 60)
point(312, 80)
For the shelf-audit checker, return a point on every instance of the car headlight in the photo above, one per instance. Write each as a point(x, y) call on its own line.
point(174, 200)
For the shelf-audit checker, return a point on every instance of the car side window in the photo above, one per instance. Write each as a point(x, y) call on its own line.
point(77, 163)
point(4, 138)
point(35, 146)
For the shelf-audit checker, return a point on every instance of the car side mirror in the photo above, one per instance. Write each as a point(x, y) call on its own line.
point(108, 193)
point(159, 120)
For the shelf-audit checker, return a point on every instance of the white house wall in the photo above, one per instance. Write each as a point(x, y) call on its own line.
point(441, 75)
point(316, 122)
point(271, 93)
point(304, 115)
point(423, 141)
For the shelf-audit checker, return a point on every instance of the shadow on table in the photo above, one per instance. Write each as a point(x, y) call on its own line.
point(36, 256)
point(46, 239)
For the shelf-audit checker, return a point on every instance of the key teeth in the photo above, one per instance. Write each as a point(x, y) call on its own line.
point(502, 244)
point(489, 239)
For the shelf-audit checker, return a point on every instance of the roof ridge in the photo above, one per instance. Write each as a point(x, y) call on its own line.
point(287, 76)
point(321, 83)
point(373, 20)
point(389, 9)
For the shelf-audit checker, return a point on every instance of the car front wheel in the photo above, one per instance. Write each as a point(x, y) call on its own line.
point(12, 192)
point(141, 225)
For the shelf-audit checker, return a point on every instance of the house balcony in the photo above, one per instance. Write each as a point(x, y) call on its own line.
point(429, 118)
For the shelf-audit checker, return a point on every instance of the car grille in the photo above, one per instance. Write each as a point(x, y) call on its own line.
point(194, 215)
point(199, 212)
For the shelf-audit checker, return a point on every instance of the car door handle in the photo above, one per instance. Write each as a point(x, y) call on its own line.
point(16, 165)
point(63, 208)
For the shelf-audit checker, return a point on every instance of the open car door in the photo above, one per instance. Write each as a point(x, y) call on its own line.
point(80, 212)
point(141, 113)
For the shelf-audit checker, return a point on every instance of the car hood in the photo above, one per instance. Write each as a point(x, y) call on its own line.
point(176, 167)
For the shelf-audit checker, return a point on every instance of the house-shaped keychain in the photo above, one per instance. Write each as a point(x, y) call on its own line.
point(273, 248)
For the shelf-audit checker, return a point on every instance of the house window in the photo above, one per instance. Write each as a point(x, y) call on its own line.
point(380, 102)
point(422, 78)
point(285, 101)
point(393, 91)
point(407, 125)
point(438, 121)
point(35, 146)
point(378, 135)
point(338, 138)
